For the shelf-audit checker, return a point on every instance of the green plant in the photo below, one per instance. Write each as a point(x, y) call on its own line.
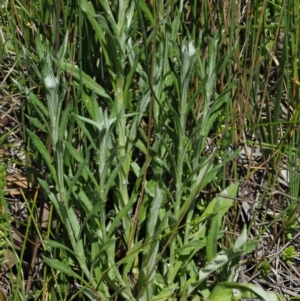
point(290, 221)
point(288, 254)
point(235, 292)
point(264, 269)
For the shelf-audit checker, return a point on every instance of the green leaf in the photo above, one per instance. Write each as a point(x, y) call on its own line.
point(63, 48)
point(65, 123)
point(229, 291)
point(89, 10)
point(87, 81)
point(221, 293)
point(73, 219)
point(145, 8)
point(219, 207)
point(51, 197)
point(222, 202)
point(166, 293)
point(92, 106)
point(130, 259)
point(85, 130)
point(91, 294)
point(214, 227)
point(36, 122)
point(37, 103)
point(92, 214)
point(44, 153)
point(73, 228)
point(85, 200)
point(103, 124)
point(107, 245)
point(207, 175)
point(223, 258)
point(59, 266)
point(56, 244)
point(241, 240)
point(4, 136)
point(212, 50)
point(110, 181)
point(187, 252)
point(83, 169)
point(122, 213)
point(154, 211)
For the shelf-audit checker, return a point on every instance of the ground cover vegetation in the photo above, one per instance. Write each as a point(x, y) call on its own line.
point(149, 150)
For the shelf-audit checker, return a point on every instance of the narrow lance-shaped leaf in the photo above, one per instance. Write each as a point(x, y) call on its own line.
point(44, 153)
point(86, 79)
